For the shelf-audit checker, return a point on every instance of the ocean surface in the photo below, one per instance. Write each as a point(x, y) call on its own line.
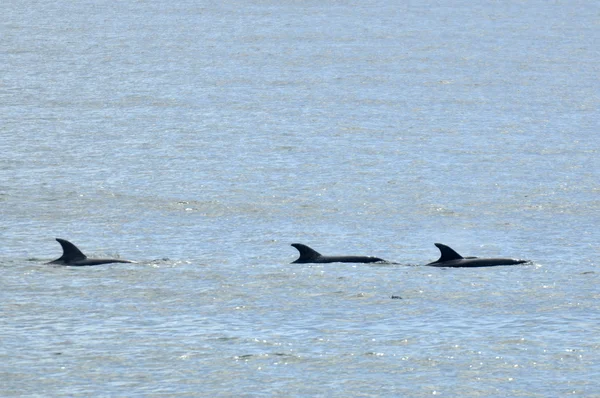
point(200, 139)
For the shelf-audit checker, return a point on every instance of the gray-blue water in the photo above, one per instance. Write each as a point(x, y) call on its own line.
point(202, 138)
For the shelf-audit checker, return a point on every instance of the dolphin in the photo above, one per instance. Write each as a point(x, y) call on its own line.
point(450, 258)
point(73, 256)
point(308, 255)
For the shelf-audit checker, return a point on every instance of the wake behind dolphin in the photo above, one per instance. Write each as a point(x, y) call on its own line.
point(308, 255)
point(450, 258)
point(73, 256)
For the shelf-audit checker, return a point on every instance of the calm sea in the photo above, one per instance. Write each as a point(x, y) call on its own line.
point(201, 139)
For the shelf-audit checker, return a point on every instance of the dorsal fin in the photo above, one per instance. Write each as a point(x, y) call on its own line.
point(306, 253)
point(70, 251)
point(447, 254)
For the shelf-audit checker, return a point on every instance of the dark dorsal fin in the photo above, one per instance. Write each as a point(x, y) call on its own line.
point(307, 254)
point(448, 254)
point(70, 251)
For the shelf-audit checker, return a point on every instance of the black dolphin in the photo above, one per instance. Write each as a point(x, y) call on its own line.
point(73, 256)
point(308, 255)
point(450, 258)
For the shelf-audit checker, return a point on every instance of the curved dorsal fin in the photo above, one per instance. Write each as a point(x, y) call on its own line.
point(447, 253)
point(306, 253)
point(70, 251)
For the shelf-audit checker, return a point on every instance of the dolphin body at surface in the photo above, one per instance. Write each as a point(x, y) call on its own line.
point(308, 255)
point(450, 258)
point(73, 256)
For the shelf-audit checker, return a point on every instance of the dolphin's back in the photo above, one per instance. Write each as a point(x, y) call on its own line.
point(74, 257)
point(451, 259)
point(309, 255)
